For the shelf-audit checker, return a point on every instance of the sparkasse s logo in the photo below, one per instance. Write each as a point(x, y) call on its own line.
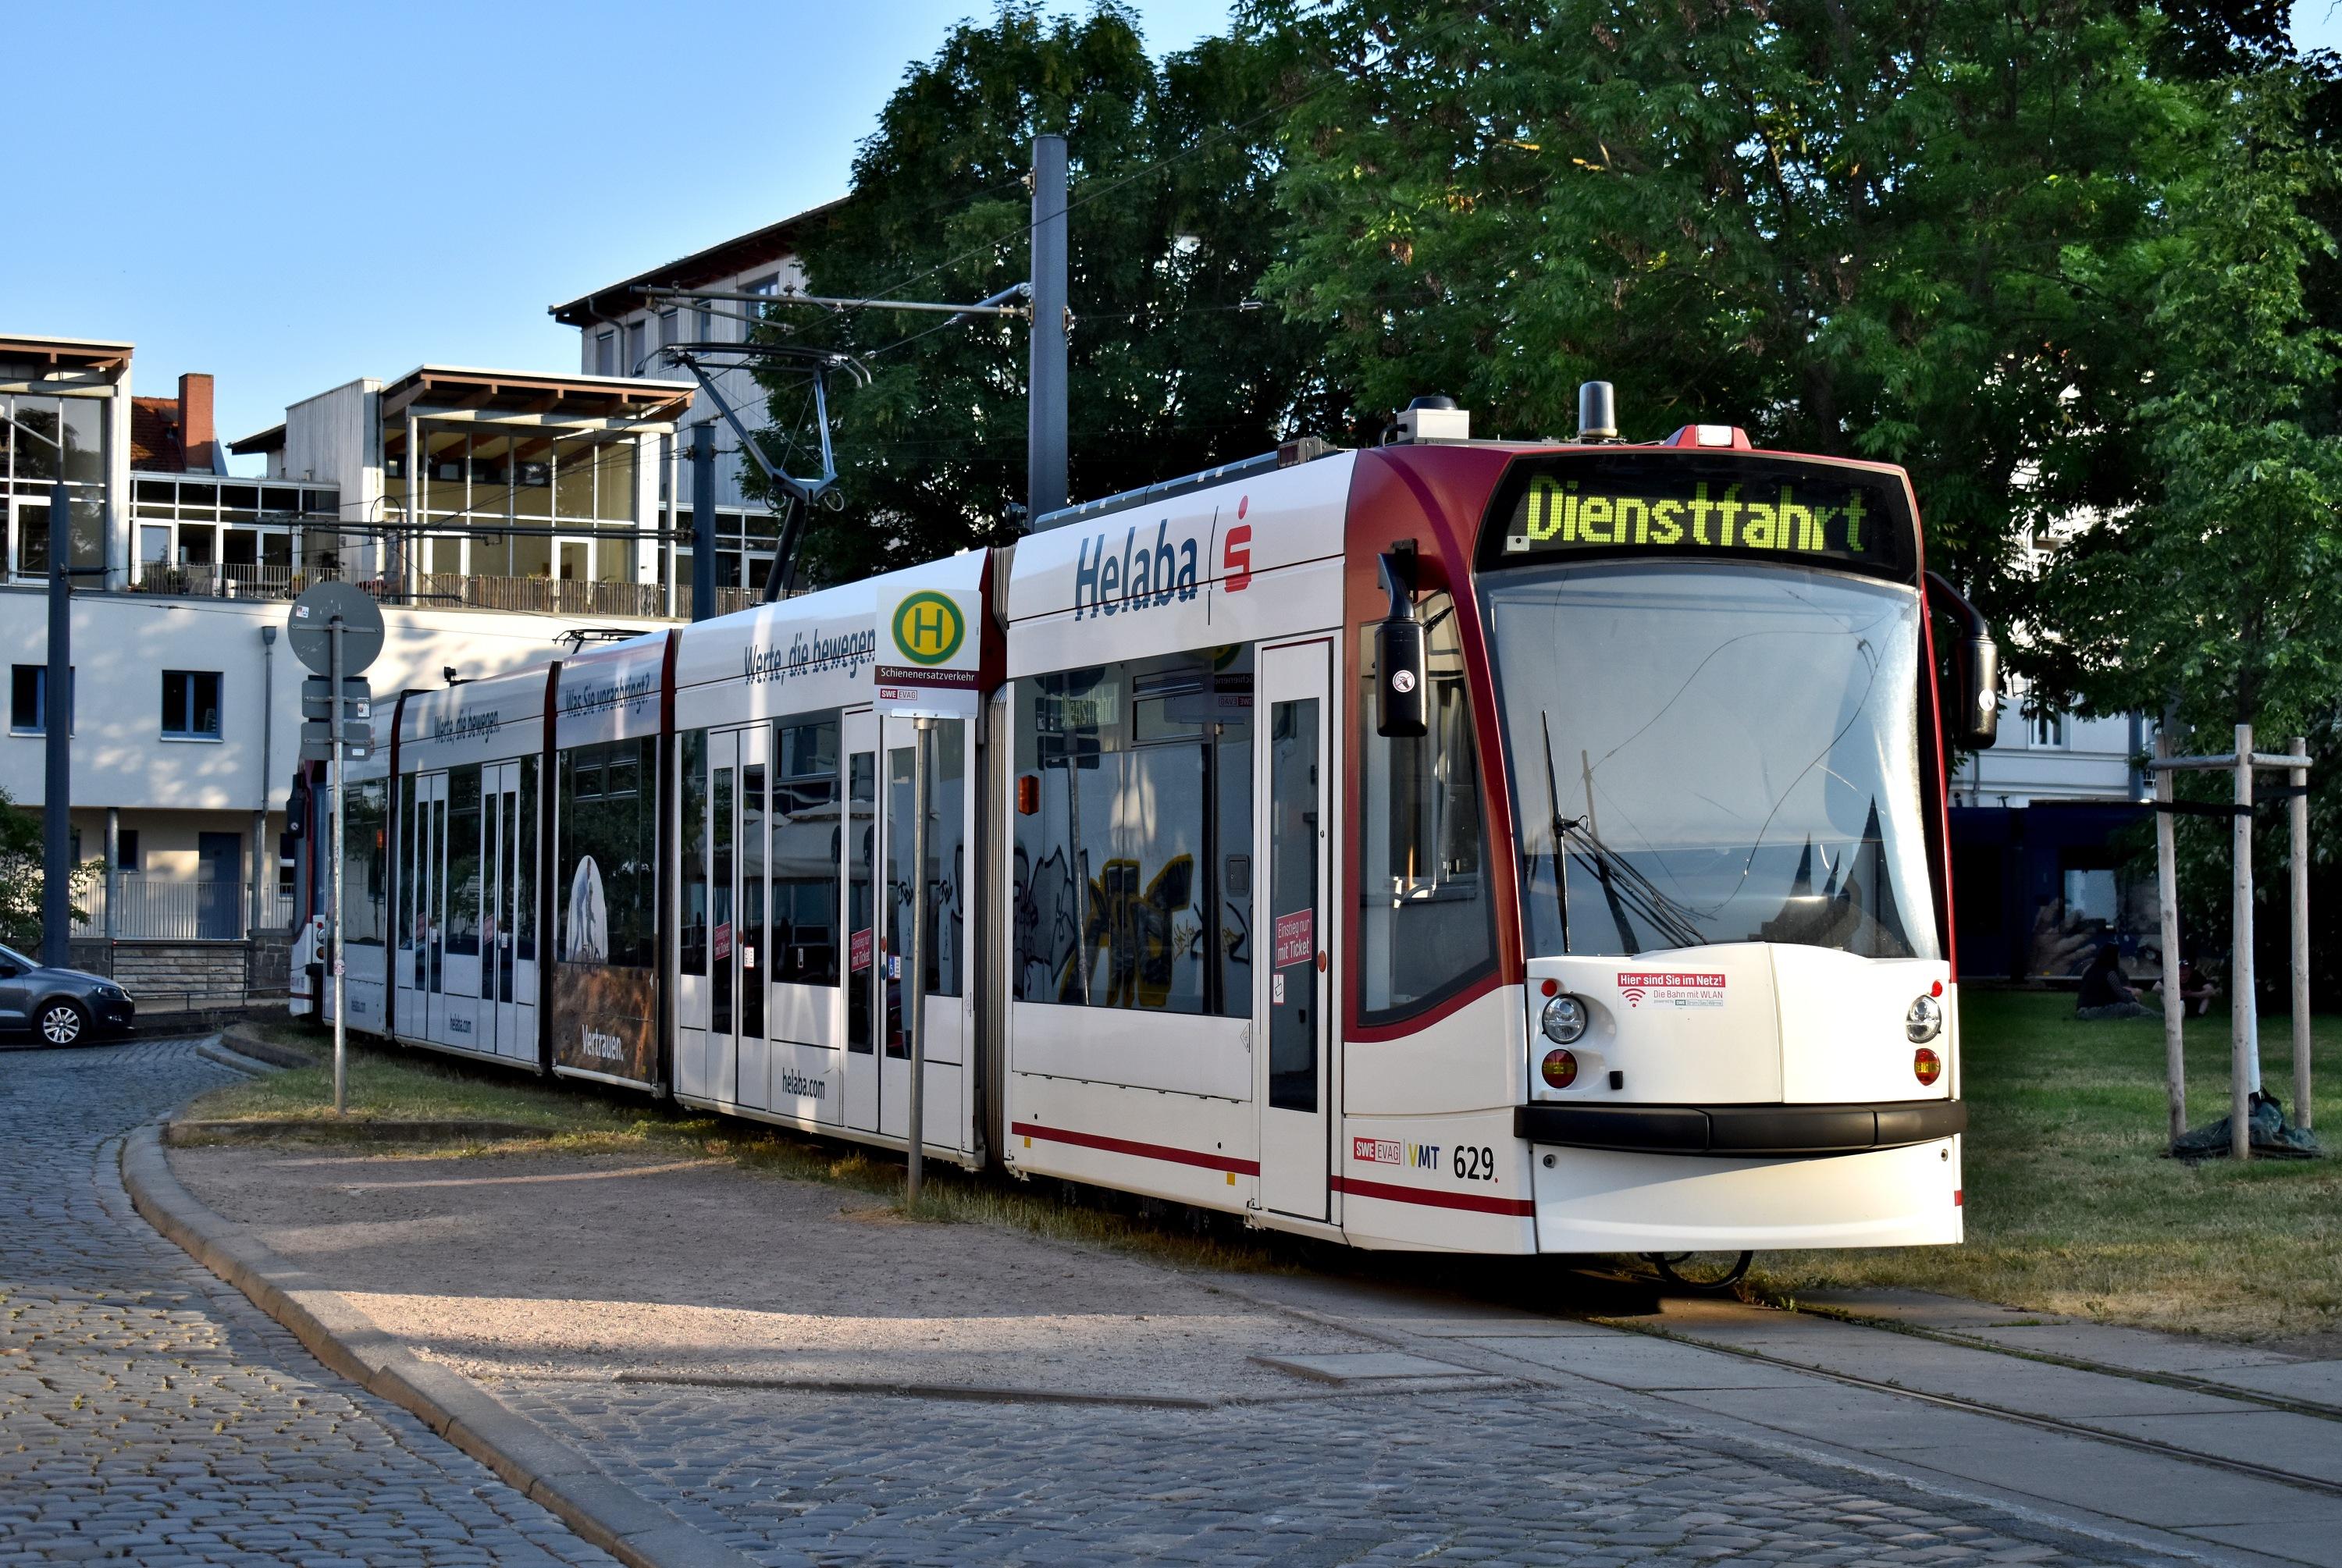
point(927, 628)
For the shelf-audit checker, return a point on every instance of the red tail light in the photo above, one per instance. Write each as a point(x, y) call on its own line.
point(1560, 1069)
point(1028, 794)
point(1925, 1065)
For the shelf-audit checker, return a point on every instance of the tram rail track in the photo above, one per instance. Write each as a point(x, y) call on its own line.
point(2179, 1381)
point(2066, 1426)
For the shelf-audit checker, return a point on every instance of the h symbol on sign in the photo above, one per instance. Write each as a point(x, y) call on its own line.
point(927, 626)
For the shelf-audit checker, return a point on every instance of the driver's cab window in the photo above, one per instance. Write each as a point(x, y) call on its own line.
point(1425, 916)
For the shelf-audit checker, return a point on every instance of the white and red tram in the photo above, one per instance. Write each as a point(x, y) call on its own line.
point(1465, 845)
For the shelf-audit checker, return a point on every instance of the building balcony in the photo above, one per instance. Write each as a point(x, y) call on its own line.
point(446, 591)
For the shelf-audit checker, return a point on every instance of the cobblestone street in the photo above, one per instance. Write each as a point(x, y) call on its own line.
point(149, 1413)
point(791, 1479)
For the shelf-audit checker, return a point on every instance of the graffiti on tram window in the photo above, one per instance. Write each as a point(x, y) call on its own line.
point(1134, 835)
point(604, 990)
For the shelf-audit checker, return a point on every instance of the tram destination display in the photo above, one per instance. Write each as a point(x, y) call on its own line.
point(1663, 502)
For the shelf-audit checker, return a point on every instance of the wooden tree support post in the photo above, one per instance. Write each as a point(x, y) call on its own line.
point(2167, 891)
point(2244, 1074)
point(2244, 1003)
point(2298, 833)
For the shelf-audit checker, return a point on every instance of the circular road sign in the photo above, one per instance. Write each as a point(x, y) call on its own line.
point(313, 615)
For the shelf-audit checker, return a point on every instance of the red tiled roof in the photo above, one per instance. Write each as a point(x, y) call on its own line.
point(155, 435)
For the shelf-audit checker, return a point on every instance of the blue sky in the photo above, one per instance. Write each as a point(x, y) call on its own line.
point(292, 195)
point(289, 196)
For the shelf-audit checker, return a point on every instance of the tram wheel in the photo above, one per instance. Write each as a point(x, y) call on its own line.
point(1708, 1273)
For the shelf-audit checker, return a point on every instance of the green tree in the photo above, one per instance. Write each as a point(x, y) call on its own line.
point(1850, 225)
point(1172, 365)
point(21, 877)
point(2219, 594)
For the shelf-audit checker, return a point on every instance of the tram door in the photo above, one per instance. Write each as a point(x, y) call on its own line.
point(738, 963)
point(423, 1012)
point(508, 913)
point(863, 970)
point(1294, 990)
point(884, 893)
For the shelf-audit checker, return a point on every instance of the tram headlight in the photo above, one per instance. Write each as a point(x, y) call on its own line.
point(1925, 1021)
point(1564, 1019)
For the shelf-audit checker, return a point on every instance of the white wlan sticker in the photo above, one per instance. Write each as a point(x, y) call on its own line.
point(1648, 989)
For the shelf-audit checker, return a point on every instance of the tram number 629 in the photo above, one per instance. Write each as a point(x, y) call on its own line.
point(1474, 1165)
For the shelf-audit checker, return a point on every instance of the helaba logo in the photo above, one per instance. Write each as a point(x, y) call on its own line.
point(929, 628)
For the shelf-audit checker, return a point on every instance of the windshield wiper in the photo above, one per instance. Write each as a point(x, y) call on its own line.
point(1553, 806)
point(1622, 884)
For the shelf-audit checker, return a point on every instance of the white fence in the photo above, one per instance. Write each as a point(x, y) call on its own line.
point(152, 909)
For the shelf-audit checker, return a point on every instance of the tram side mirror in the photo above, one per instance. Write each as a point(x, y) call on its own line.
point(1975, 723)
point(1402, 678)
point(1982, 714)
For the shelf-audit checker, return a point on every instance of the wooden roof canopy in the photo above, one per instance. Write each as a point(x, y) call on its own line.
point(433, 386)
point(63, 353)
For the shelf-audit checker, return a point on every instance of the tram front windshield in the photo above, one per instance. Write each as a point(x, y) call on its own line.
point(1713, 752)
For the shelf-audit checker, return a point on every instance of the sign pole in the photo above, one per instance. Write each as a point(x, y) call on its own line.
point(2166, 892)
point(2244, 1074)
point(334, 630)
point(2297, 824)
point(57, 706)
point(914, 983)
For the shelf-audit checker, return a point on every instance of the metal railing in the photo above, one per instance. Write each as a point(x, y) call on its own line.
point(152, 909)
point(156, 908)
point(446, 590)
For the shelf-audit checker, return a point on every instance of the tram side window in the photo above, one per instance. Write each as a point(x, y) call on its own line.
point(1425, 914)
point(693, 944)
point(804, 851)
point(464, 859)
point(1133, 858)
point(608, 854)
point(364, 886)
point(406, 863)
point(944, 901)
point(525, 909)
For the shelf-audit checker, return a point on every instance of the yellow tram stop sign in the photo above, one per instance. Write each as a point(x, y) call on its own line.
point(929, 650)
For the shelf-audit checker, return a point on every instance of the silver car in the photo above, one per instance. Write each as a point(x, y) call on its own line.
point(62, 1006)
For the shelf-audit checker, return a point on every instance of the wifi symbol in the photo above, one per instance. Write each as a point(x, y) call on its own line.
point(1634, 996)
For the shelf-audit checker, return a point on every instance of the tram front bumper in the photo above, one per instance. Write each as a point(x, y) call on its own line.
point(1752, 1178)
point(1794, 1132)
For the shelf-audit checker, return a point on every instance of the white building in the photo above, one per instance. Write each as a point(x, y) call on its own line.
point(530, 510)
point(622, 331)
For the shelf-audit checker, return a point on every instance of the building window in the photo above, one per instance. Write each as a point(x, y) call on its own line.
point(191, 704)
point(638, 346)
point(1133, 854)
point(126, 850)
point(670, 327)
point(28, 708)
point(2049, 730)
point(606, 354)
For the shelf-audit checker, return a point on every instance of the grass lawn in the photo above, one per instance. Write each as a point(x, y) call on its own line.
point(2072, 1208)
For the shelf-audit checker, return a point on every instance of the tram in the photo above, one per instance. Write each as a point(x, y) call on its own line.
point(1456, 844)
